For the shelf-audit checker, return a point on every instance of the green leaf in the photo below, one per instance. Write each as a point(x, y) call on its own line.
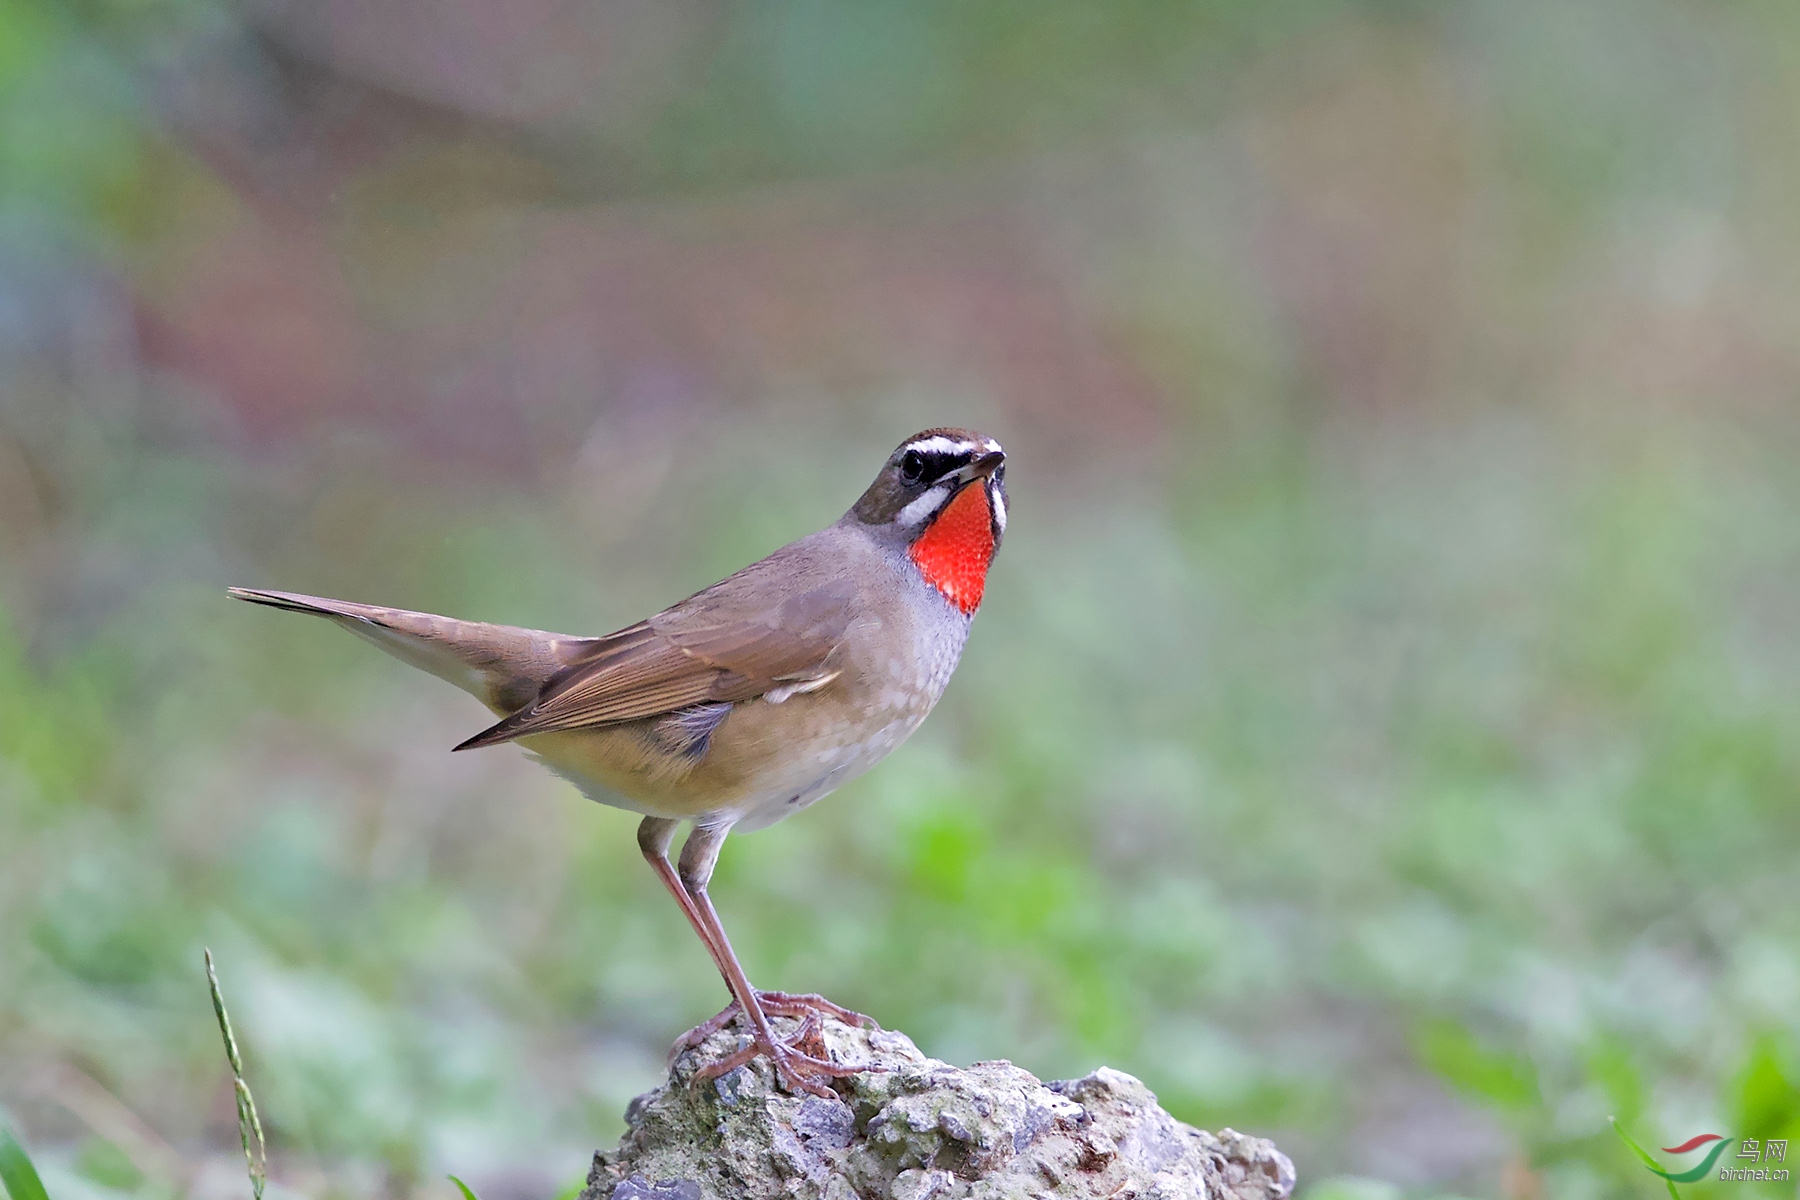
point(1768, 1102)
point(467, 1191)
point(16, 1172)
point(1505, 1080)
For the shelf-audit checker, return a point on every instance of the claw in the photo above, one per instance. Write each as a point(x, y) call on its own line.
point(793, 1065)
point(795, 1004)
point(777, 1004)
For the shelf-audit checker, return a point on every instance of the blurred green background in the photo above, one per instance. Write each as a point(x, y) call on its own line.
point(1383, 731)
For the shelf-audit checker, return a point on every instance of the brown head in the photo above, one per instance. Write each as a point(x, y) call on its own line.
point(942, 495)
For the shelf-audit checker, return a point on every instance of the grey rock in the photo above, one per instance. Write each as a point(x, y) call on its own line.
point(638, 1188)
point(919, 1129)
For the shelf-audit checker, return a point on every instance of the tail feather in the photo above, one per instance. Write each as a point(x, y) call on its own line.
point(502, 666)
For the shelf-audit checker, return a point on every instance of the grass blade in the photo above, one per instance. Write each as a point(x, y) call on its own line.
point(1644, 1155)
point(16, 1172)
point(465, 1189)
point(249, 1125)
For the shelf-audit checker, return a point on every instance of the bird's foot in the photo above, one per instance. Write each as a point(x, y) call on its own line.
point(776, 1004)
point(798, 1060)
point(799, 1004)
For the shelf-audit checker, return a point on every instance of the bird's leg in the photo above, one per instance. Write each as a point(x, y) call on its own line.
point(654, 838)
point(792, 1066)
point(655, 835)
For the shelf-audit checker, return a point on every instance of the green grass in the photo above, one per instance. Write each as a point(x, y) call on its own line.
point(250, 1132)
point(17, 1174)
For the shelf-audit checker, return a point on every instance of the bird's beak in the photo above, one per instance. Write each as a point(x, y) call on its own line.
point(979, 468)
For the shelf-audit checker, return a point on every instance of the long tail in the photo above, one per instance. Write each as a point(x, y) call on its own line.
point(502, 666)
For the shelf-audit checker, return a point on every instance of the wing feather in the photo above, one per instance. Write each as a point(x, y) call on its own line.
point(723, 645)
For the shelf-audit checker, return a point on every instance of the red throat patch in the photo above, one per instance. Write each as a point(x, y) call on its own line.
point(953, 554)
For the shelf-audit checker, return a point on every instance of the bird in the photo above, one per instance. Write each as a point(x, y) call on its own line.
point(746, 702)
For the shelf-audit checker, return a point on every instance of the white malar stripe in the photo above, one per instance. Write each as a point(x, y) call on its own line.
point(999, 503)
point(923, 507)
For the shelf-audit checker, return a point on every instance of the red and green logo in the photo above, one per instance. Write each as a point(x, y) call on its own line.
point(1701, 1169)
point(1774, 1150)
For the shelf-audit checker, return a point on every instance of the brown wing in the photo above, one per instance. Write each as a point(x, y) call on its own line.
point(724, 644)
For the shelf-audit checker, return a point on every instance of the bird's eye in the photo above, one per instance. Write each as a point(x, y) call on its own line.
point(912, 465)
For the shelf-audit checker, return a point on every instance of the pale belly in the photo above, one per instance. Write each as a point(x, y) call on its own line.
point(832, 766)
point(765, 760)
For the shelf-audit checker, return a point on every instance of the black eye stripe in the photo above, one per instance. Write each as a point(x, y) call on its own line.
point(939, 463)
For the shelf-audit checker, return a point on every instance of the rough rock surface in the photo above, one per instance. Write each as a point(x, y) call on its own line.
point(919, 1129)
